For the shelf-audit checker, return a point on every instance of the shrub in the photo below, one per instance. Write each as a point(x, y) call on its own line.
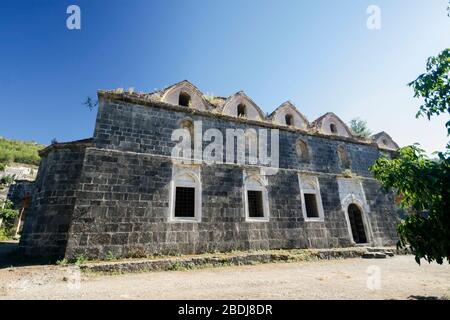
point(19, 151)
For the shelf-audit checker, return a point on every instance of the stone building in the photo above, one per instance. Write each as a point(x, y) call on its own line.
point(122, 192)
point(19, 191)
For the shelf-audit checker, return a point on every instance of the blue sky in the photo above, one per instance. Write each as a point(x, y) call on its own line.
point(318, 54)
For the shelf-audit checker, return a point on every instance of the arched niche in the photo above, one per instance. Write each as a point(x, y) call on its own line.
point(301, 147)
point(344, 159)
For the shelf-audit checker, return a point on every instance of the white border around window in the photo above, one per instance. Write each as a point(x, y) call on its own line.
point(256, 183)
point(187, 178)
point(310, 184)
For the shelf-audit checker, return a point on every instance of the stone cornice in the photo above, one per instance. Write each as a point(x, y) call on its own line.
point(73, 145)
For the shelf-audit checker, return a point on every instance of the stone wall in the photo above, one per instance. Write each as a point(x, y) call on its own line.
point(48, 218)
point(20, 171)
point(112, 197)
point(24, 175)
point(18, 190)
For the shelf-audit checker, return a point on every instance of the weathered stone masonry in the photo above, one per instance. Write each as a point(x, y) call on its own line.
point(111, 193)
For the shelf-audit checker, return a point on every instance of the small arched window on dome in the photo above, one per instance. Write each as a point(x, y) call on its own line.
point(343, 157)
point(184, 99)
point(289, 119)
point(302, 150)
point(241, 110)
point(333, 128)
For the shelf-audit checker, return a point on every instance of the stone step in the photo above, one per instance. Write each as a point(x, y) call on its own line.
point(387, 252)
point(374, 255)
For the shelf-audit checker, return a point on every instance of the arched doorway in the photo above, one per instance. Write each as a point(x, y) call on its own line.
point(356, 223)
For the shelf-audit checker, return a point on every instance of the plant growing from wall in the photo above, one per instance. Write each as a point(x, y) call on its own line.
point(212, 99)
point(423, 183)
point(7, 180)
point(347, 173)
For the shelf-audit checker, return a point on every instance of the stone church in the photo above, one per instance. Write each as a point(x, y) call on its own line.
point(122, 192)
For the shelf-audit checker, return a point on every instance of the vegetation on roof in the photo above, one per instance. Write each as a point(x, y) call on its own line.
point(215, 101)
point(359, 128)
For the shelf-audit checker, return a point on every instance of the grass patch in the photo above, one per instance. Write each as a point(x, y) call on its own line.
point(62, 262)
point(202, 261)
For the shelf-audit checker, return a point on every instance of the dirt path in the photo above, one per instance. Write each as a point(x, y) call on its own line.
point(400, 278)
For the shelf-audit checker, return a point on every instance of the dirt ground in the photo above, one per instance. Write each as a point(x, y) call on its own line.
point(393, 278)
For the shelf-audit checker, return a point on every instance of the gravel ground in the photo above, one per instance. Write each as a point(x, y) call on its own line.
point(400, 278)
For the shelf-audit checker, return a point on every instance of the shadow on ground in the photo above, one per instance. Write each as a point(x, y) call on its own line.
point(10, 257)
point(424, 298)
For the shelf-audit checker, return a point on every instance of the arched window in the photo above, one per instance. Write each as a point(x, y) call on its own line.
point(302, 150)
point(255, 199)
point(312, 207)
point(184, 99)
point(333, 128)
point(289, 120)
point(186, 197)
point(241, 110)
point(343, 157)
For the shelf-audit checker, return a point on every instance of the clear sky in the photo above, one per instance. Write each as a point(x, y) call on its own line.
point(318, 54)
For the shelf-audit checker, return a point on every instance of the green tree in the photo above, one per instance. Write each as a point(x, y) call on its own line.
point(7, 216)
point(424, 184)
point(359, 128)
point(434, 87)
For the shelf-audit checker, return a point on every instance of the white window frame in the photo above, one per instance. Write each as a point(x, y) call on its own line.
point(256, 183)
point(315, 189)
point(179, 180)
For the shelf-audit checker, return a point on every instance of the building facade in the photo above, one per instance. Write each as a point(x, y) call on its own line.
point(123, 192)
